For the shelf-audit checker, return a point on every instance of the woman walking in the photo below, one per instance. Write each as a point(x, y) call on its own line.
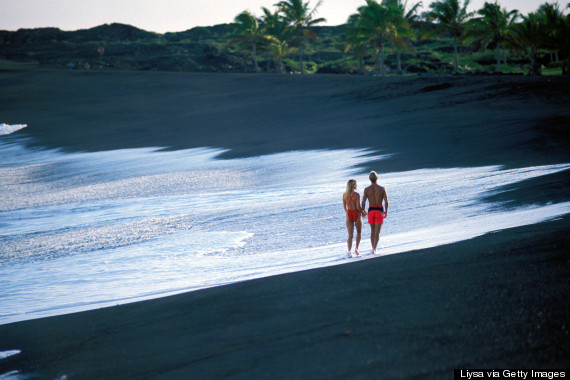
point(354, 212)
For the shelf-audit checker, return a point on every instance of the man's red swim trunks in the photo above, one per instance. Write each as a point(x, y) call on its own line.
point(375, 215)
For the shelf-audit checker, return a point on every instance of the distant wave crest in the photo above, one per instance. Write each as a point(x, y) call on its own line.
point(6, 129)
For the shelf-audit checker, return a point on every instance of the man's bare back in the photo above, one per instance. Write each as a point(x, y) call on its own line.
point(375, 195)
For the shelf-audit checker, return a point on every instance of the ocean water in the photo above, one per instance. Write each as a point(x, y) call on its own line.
point(81, 231)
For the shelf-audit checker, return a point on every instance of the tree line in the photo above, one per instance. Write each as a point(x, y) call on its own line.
point(395, 24)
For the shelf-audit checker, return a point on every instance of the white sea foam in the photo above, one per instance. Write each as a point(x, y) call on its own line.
point(7, 354)
point(85, 230)
point(6, 129)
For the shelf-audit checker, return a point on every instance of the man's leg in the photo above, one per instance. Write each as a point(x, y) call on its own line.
point(378, 229)
point(373, 236)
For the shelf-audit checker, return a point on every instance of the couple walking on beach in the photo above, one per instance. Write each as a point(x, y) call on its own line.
point(377, 210)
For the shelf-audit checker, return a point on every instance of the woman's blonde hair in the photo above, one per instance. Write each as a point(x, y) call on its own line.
point(349, 188)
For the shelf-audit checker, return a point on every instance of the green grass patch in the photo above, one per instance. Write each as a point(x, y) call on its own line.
point(555, 71)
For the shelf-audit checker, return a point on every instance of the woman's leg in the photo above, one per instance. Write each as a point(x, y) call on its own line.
point(358, 234)
point(350, 228)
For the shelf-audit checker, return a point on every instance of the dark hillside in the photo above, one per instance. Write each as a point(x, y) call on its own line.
point(205, 49)
point(119, 46)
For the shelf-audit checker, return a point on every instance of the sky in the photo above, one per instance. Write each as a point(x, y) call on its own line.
point(163, 16)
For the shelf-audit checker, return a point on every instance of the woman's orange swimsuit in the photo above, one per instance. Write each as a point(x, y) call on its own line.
point(352, 214)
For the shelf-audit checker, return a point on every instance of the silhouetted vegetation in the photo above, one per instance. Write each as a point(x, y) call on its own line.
point(381, 37)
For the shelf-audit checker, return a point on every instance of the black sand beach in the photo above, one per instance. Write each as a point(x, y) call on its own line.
point(497, 301)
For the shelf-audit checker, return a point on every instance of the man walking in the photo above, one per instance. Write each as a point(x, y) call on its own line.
point(378, 208)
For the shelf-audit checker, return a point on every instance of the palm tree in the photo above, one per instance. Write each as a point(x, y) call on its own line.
point(299, 15)
point(248, 32)
point(378, 24)
point(553, 19)
point(279, 49)
point(564, 43)
point(356, 41)
point(412, 15)
point(453, 17)
point(557, 32)
point(566, 29)
point(493, 26)
point(530, 36)
point(277, 31)
point(406, 19)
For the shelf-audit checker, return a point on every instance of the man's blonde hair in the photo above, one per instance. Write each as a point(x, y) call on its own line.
point(373, 176)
